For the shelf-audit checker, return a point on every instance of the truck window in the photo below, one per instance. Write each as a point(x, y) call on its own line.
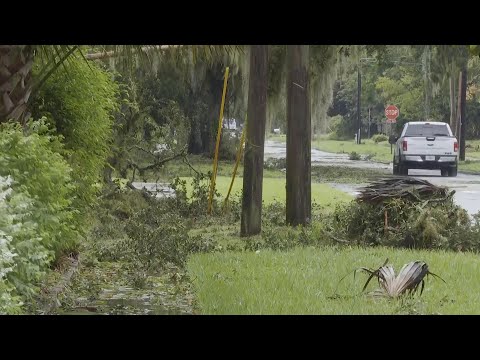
point(427, 130)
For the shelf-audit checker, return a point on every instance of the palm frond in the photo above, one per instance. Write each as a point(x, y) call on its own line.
point(410, 277)
point(54, 57)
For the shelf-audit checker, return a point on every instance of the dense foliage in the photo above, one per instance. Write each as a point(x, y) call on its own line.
point(79, 104)
point(35, 207)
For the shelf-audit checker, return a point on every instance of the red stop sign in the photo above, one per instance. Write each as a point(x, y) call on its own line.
point(391, 112)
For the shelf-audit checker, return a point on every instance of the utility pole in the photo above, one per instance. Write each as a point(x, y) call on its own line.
point(368, 123)
point(359, 120)
point(463, 118)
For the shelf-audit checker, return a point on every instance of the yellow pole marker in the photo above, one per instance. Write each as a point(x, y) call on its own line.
point(239, 155)
point(215, 160)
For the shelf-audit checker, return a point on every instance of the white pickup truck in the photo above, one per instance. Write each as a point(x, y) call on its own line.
point(426, 145)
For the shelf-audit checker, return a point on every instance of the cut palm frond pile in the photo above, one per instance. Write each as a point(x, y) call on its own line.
point(410, 189)
point(408, 280)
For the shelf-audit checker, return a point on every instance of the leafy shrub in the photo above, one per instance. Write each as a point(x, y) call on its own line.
point(403, 223)
point(158, 236)
point(274, 214)
point(195, 205)
point(284, 238)
point(377, 138)
point(79, 103)
point(280, 238)
point(36, 218)
point(10, 213)
point(229, 144)
point(354, 156)
point(341, 128)
point(30, 155)
point(108, 238)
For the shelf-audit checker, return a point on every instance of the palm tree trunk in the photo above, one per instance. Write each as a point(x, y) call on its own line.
point(298, 136)
point(251, 221)
point(16, 62)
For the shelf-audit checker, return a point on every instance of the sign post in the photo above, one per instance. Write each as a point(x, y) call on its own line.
point(391, 112)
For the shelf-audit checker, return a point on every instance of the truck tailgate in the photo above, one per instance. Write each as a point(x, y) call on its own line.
point(440, 145)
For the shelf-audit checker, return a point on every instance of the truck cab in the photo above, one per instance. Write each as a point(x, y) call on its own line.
point(426, 145)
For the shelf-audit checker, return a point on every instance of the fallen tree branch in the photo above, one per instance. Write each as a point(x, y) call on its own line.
point(142, 149)
point(185, 160)
point(160, 163)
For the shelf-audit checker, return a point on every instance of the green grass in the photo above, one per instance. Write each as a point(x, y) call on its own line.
point(469, 166)
point(473, 152)
point(274, 190)
point(304, 281)
point(378, 152)
point(346, 175)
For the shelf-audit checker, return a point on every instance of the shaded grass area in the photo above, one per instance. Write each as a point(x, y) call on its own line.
point(304, 281)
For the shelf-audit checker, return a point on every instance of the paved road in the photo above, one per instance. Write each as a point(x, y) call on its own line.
point(467, 186)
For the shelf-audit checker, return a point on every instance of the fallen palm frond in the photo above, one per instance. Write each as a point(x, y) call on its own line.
point(400, 187)
point(406, 282)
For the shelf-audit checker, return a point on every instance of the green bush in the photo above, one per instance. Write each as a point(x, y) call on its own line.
point(379, 138)
point(158, 235)
point(340, 128)
point(31, 157)
point(402, 223)
point(12, 212)
point(274, 214)
point(354, 156)
point(229, 143)
point(79, 102)
point(36, 219)
point(195, 205)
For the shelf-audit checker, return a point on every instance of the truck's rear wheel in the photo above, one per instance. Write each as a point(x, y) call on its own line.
point(452, 172)
point(402, 169)
point(444, 172)
point(395, 168)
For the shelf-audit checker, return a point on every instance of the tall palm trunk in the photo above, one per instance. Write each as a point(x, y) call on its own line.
point(251, 220)
point(298, 186)
point(15, 81)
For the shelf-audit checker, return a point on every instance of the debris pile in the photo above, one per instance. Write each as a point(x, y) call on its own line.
point(406, 188)
point(404, 212)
